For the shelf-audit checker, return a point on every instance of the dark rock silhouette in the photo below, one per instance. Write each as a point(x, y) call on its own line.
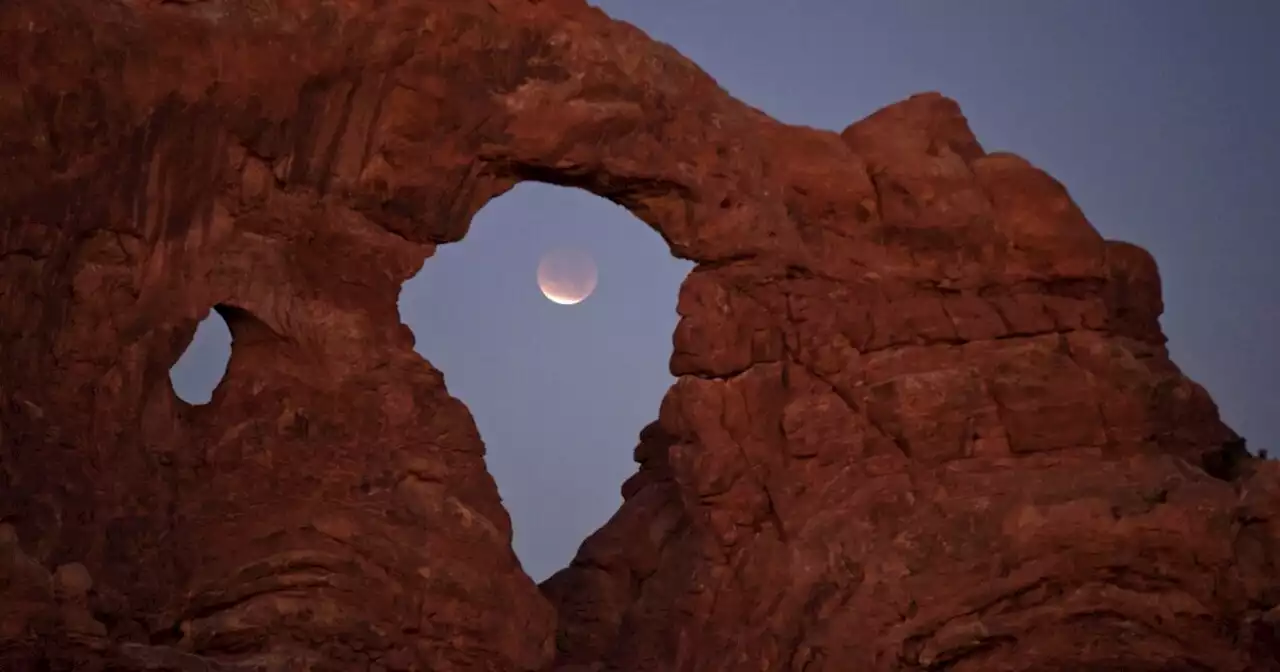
point(925, 418)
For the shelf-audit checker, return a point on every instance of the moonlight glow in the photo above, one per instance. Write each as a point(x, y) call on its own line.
point(567, 277)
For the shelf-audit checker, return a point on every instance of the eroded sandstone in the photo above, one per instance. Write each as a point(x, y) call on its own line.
point(925, 418)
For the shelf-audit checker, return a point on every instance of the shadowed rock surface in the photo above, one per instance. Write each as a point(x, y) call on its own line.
point(924, 416)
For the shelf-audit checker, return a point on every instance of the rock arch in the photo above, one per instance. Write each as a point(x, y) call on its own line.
point(891, 336)
point(198, 371)
point(557, 392)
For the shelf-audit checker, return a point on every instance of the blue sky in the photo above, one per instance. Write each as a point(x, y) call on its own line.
point(1160, 116)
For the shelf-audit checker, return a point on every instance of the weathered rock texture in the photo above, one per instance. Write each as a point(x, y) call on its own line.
point(924, 417)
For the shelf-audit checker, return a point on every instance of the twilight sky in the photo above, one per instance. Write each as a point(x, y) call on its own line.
point(1160, 116)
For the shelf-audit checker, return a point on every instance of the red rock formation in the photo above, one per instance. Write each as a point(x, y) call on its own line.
point(924, 419)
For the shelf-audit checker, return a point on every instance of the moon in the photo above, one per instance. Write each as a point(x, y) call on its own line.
point(567, 276)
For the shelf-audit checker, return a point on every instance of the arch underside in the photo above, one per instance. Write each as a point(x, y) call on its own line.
point(924, 415)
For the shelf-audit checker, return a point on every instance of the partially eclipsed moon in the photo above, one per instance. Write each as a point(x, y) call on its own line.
point(567, 277)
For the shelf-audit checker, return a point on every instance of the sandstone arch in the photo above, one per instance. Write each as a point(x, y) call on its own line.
point(925, 416)
point(201, 366)
point(558, 393)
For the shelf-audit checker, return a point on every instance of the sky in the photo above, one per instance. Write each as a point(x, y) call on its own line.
point(1161, 117)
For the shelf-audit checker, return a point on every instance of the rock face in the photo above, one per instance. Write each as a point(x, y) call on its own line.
point(924, 416)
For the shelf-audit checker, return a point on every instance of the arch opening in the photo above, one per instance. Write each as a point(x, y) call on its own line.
point(559, 389)
point(203, 364)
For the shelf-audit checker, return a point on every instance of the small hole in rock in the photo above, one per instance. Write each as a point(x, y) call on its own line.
point(559, 392)
point(204, 363)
